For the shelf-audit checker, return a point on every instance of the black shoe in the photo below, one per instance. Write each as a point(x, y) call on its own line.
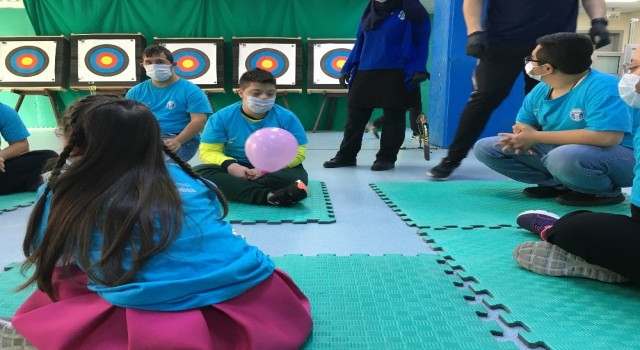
point(545, 191)
point(443, 170)
point(580, 199)
point(338, 163)
point(379, 165)
point(289, 195)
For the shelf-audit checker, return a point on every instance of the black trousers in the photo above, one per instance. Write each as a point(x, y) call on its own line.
point(493, 79)
point(391, 139)
point(608, 240)
point(23, 173)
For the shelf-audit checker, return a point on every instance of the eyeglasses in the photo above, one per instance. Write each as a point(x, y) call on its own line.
point(629, 67)
point(530, 59)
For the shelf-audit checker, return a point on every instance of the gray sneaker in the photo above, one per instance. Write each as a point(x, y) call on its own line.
point(548, 259)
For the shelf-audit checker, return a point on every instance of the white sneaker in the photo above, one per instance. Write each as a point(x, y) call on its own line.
point(548, 259)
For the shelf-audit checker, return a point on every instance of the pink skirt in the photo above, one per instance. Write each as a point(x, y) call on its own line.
point(274, 314)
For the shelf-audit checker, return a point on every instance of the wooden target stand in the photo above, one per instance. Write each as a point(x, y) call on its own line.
point(328, 95)
point(211, 91)
point(48, 92)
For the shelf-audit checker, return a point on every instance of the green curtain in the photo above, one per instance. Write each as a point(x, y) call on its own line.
point(209, 18)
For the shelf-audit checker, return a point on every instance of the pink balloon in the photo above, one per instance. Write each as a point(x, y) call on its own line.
point(271, 149)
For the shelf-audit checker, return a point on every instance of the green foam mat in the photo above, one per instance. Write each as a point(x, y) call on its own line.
point(386, 302)
point(468, 204)
point(562, 313)
point(11, 202)
point(10, 300)
point(317, 208)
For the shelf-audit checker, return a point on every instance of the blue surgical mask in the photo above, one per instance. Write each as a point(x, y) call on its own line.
point(158, 72)
point(627, 89)
point(260, 105)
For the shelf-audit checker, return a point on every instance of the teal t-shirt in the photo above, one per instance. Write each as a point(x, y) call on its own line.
point(172, 104)
point(206, 264)
point(230, 127)
point(635, 190)
point(11, 126)
point(594, 104)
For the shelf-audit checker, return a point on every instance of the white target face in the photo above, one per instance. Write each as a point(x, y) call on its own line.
point(328, 60)
point(196, 62)
point(106, 60)
point(279, 59)
point(28, 61)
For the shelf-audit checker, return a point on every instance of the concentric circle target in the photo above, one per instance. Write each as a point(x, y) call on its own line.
point(106, 60)
point(271, 60)
point(331, 62)
point(27, 61)
point(191, 63)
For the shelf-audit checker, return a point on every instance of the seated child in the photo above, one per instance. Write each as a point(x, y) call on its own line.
point(224, 137)
point(130, 252)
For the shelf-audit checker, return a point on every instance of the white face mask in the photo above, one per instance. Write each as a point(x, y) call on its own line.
point(381, 1)
point(627, 89)
point(158, 72)
point(259, 105)
point(529, 68)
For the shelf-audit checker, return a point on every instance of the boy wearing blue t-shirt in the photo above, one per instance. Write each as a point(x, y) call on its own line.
point(20, 170)
point(573, 134)
point(224, 137)
point(180, 106)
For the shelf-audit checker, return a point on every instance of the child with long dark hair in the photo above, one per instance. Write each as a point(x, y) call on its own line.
point(129, 252)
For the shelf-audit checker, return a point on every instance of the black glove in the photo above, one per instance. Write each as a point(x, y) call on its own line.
point(477, 42)
point(419, 77)
point(344, 78)
point(599, 30)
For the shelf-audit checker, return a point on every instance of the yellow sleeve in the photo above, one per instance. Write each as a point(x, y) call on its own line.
point(213, 153)
point(300, 156)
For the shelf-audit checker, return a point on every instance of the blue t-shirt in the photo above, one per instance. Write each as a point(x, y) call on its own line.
point(12, 128)
point(524, 21)
point(635, 190)
point(396, 43)
point(172, 104)
point(594, 104)
point(206, 263)
point(230, 127)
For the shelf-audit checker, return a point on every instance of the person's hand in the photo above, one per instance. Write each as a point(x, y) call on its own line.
point(344, 78)
point(477, 43)
point(254, 174)
point(419, 77)
point(599, 30)
point(238, 170)
point(1, 165)
point(172, 144)
point(519, 143)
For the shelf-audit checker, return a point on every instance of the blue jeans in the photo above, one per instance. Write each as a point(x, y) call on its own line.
point(589, 169)
point(187, 150)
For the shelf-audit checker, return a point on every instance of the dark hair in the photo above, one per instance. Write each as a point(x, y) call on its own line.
point(570, 53)
point(156, 50)
point(118, 187)
point(256, 75)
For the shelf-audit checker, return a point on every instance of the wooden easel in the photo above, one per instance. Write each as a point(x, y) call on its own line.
point(331, 96)
point(38, 92)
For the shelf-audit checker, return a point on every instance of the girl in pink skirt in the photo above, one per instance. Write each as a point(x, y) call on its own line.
point(130, 252)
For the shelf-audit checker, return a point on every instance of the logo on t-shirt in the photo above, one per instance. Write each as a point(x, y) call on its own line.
point(401, 15)
point(184, 187)
point(171, 105)
point(576, 115)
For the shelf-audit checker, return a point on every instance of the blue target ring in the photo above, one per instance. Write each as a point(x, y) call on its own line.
point(271, 60)
point(106, 60)
point(331, 62)
point(191, 63)
point(27, 61)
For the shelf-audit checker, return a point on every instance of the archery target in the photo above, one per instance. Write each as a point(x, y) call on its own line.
point(195, 62)
point(328, 60)
point(106, 60)
point(278, 59)
point(28, 61)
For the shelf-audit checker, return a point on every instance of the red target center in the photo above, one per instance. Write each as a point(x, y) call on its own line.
point(338, 62)
point(188, 63)
point(106, 60)
point(267, 63)
point(26, 61)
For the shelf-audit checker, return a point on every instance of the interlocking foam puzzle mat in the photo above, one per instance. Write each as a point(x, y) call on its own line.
point(10, 300)
point(11, 202)
point(373, 302)
point(316, 209)
point(559, 312)
point(468, 204)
